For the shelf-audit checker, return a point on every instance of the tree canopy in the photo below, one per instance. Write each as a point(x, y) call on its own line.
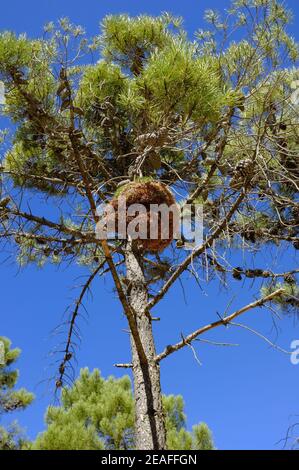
point(11, 399)
point(97, 413)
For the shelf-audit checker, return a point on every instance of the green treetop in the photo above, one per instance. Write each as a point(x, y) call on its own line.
point(10, 399)
point(98, 413)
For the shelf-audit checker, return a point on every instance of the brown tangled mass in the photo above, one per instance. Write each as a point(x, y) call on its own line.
point(147, 193)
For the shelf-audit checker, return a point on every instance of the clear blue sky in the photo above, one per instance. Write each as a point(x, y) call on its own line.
point(248, 394)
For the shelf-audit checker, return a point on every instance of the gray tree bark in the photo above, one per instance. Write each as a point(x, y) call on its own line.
point(150, 432)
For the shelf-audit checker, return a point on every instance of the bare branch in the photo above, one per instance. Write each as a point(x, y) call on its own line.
point(225, 321)
point(124, 366)
point(257, 333)
point(67, 352)
point(197, 251)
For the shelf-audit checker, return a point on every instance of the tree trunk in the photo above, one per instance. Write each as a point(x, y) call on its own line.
point(150, 430)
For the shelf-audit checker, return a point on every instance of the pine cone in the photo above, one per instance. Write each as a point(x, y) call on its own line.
point(242, 171)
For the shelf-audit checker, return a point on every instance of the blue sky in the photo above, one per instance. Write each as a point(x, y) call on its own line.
point(248, 394)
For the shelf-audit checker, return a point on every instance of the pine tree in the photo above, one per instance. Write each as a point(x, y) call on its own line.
point(214, 119)
point(10, 399)
point(99, 414)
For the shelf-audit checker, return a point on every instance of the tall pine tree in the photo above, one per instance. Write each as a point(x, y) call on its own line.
point(213, 119)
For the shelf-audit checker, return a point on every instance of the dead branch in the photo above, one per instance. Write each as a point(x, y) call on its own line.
point(224, 321)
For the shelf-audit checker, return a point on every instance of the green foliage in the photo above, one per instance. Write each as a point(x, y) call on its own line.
point(149, 74)
point(203, 439)
point(170, 79)
point(14, 51)
point(26, 62)
point(13, 438)
point(288, 301)
point(101, 82)
point(179, 82)
point(99, 414)
point(129, 41)
point(10, 399)
point(178, 438)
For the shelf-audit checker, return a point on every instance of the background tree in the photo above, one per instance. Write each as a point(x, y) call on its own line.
point(214, 120)
point(99, 414)
point(10, 399)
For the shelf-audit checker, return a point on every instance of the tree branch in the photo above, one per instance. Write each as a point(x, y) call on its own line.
point(122, 296)
point(197, 252)
point(224, 321)
point(67, 353)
